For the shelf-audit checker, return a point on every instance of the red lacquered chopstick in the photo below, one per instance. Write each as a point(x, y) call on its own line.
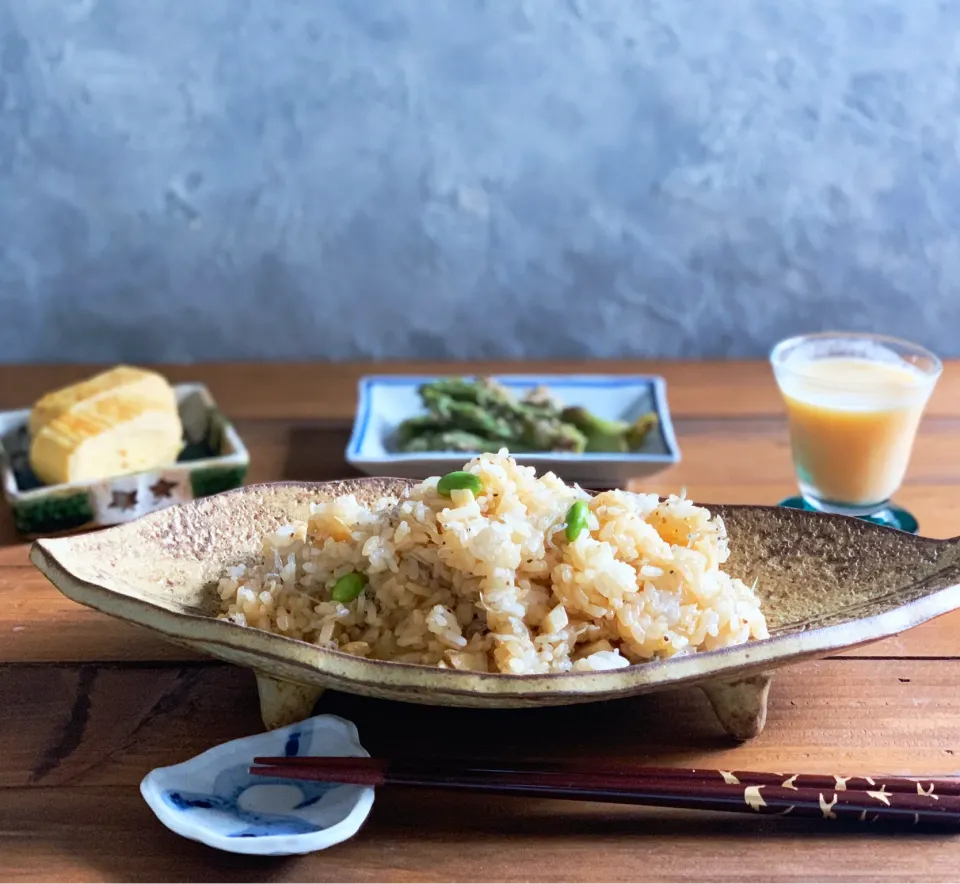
point(890, 798)
point(577, 768)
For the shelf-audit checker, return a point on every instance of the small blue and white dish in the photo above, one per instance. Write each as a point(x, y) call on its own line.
point(214, 799)
point(384, 402)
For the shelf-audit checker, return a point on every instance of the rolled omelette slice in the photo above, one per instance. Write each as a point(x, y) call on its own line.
point(121, 380)
point(107, 435)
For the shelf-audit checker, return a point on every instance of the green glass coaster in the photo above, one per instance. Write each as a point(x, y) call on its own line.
point(889, 517)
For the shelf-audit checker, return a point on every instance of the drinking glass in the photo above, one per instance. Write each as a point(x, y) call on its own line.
point(854, 402)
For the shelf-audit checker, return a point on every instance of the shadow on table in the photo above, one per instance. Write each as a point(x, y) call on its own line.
point(443, 816)
point(108, 832)
point(680, 724)
point(316, 453)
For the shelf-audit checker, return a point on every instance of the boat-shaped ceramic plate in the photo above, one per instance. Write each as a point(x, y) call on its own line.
point(827, 583)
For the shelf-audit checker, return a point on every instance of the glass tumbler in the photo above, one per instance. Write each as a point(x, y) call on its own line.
point(854, 402)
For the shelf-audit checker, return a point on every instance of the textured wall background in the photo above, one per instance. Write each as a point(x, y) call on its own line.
point(186, 179)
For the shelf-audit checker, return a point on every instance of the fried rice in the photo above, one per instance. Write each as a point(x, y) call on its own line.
point(491, 583)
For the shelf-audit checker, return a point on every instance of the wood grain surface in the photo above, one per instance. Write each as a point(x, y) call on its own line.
point(91, 705)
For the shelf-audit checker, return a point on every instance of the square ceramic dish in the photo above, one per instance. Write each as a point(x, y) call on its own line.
point(385, 401)
point(213, 459)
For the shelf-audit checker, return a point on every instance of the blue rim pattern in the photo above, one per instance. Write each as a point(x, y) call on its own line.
point(212, 798)
point(232, 783)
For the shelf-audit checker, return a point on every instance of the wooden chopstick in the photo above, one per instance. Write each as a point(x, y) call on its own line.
point(915, 801)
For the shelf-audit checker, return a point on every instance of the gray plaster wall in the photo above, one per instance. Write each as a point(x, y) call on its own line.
point(337, 179)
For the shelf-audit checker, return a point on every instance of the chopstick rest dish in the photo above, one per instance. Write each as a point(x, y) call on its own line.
point(214, 799)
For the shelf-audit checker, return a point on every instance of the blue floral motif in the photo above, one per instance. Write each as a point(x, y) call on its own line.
point(231, 784)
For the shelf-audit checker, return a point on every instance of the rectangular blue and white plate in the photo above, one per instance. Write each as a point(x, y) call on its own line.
point(384, 402)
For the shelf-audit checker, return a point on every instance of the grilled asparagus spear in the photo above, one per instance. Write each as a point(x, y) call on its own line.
point(483, 415)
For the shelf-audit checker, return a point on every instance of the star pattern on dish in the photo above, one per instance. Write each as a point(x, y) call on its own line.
point(162, 489)
point(123, 500)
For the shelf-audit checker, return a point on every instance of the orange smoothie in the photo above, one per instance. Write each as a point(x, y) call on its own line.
point(852, 425)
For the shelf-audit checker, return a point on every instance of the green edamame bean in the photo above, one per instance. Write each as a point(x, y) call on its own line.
point(460, 480)
point(348, 587)
point(576, 520)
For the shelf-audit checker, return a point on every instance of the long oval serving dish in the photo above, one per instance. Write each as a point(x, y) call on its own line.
point(827, 583)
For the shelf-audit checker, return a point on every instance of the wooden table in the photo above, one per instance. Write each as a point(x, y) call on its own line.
point(90, 705)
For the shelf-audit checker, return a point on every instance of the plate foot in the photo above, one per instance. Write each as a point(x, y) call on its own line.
point(741, 705)
point(285, 702)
